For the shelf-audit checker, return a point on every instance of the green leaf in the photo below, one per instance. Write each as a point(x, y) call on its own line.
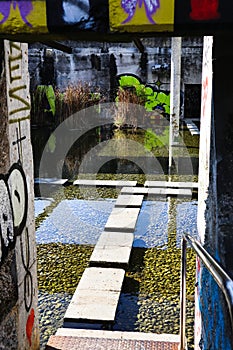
point(50, 94)
point(127, 80)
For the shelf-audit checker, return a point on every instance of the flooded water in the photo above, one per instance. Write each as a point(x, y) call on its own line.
point(69, 223)
point(149, 300)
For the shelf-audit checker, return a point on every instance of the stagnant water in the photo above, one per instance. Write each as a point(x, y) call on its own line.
point(69, 227)
point(149, 300)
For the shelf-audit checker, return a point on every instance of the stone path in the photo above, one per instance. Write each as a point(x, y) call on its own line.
point(50, 181)
point(170, 184)
point(125, 200)
point(112, 249)
point(162, 191)
point(75, 339)
point(94, 303)
point(192, 126)
point(122, 219)
point(134, 190)
point(105, 183)
point(96, 297)
point(181, 192)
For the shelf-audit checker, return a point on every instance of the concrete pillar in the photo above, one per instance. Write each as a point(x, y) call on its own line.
point(176, 44)
point(215, 200)
point(18, 274)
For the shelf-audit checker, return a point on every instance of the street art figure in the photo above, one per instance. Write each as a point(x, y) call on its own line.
point(130, 6)
point(13, 208)
point(24, 6)
point(75, 11)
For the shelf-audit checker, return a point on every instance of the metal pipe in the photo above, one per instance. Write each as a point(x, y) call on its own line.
point(183, 294)
point(223, 280)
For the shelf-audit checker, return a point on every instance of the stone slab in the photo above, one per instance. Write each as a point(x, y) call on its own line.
point(93, 306)
point(122, 219)
point(127, 200)
point(110, 256)
point(101, 279)
point(71, 332)
point(134, 190)
point(50, 181)
point(182, 192)
point(169, 184)
point(96, 297)
point(122, 239)
point(112, 249)
point(105, 183)
point(57, 342)
point(192, 127)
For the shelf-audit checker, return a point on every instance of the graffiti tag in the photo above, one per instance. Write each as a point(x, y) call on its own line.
point(13, 208)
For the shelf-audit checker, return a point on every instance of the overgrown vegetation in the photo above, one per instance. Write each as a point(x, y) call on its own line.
point(51, 106)
point(142, 94)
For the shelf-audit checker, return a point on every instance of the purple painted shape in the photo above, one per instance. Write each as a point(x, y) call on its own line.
point(24, 6)
point(129, 6)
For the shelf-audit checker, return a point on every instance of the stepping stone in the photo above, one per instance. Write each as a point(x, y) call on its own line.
point(126, 200)
point(182, 192)
point(171, 184)
point(89, 339)
point(50, 181)
point(192, 127)
point(134, 190)
point(112, 249)
point(122, 219)
point(155, 184)
point(110, 183)
point(96, 297)
point(90, 333)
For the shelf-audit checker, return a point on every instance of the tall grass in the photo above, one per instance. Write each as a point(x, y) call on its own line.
point(126, 111)
point(68, 102)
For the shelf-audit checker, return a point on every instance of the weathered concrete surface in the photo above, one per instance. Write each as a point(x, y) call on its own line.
point(19, 321)
point(79, 343)
point(175, 87)
point(69, 332)
point(125, 200)
point(181, 192)
point(134, 190)
point(192, 127)
point(96, 297)
point(111, 183)
point(170, 184)
point(112, 249)
point(83, 339)
point(50, 181)
point(122, 219)
point(212, 325)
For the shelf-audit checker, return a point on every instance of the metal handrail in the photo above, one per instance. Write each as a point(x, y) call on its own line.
point(220, 276)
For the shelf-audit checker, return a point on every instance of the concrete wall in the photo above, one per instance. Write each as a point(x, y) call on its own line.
point(80, 65)
point(212, 323)
point(18, 276)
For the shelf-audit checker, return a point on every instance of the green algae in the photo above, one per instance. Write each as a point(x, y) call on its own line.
point(60, 266)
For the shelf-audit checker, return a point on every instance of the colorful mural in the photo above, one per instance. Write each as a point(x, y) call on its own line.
point(106, 16)
point(141, 15)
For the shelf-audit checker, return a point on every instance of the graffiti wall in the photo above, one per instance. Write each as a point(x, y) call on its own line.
point(211, 316)
point(90, 16)
point(17, 234)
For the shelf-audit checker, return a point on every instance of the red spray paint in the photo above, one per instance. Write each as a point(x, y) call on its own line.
point(29, 325)
point(203, 10)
